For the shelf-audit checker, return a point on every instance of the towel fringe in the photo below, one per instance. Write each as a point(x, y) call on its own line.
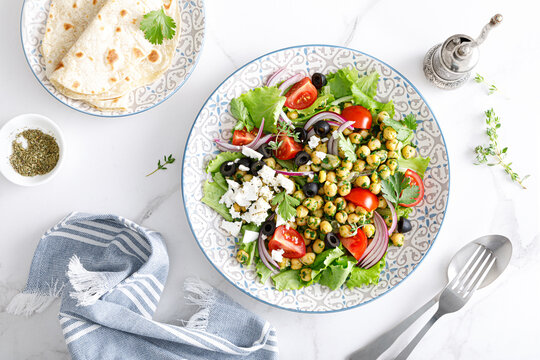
point(201, 294)
point(27, 304)
point(89, 286)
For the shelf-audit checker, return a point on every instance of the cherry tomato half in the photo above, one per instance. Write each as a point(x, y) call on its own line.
point(288, 148)
point(359, 114)
point(301, 95)
point(415, 180)
point(243, 137)
point(356, 244)
point(363, 198)
point(289, 240)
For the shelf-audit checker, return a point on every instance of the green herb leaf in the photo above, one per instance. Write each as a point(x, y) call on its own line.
point(157, 25)
point(348, 148)
point(160, 166)
point(418, 164)
point(240, 112)
point(410, 121)
point(286, 205)
point(404, 133)
point(398, 189)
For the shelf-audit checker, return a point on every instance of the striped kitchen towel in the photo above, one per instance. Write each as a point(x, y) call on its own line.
point(109, 273)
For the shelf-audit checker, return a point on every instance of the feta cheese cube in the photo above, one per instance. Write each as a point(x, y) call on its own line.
point(251, 153)
point(320, 155)
point(285, 183)
point(267, 175)
point(314, 141)
point(250, 236)
point(277, 255)
point(232, 228)
point(266, 193)
point(243, 168)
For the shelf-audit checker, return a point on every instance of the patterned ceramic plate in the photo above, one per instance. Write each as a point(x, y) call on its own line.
point(33, 21)
point(214, 120)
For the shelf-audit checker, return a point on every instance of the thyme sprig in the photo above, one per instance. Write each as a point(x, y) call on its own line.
point(283, 129)
point(166, 160)
point(481, 80)
point(493, 152)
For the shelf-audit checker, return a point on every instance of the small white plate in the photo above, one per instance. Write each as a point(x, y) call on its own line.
point(9, 132)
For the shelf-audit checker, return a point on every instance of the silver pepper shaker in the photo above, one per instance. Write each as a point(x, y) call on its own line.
point(449, 65)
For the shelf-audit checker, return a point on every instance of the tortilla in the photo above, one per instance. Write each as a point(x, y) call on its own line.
point(96, 52)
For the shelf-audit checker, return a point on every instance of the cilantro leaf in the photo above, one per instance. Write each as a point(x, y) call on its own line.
point(410, 121)
point(404, 133)
point(398, 189)
point(157, 25)
point(240, 112)
point(347, 147)
point(286, 205)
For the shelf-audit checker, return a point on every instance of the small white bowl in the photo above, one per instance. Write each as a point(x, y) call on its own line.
point(9, 132)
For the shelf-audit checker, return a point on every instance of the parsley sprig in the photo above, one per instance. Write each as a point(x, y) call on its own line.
point(493, 151)
point(410, 121)
point(157, 25)
point(481, 80)
point(399, 190)
point(283, 129)
point(167, 160)
point(286, 205)
point(347, 147)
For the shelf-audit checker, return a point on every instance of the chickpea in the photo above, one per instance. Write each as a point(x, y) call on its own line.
point(292, 225)
point(296, 264)
point(341, 217)
point(309, 234)
point(363, 152)
point(369, 230)
point(239, 175)
point(332, 163)
point(285, 263)
point(342, 173)
point(315, 159)
point(391, 144)
point(301, 221)
point(350, 208)
point(364, 134)
point(322, 176)
point(373, 160)
point(308, 149)
point(382, 115)
point(353, 218)
point(330, 189)
point(319, 200)
point(305, 274)
point(299, 195)
point(397, 239)
point(345, 231)
point(347, 104)
point(318, 246)
point(304, 168)
point(329, 208)
point(382, 203)
point(335, 109)
point(393, 154)
point(331, 177)
point(348, 164)
point(325, 227)
point(408, 152)
point(313, 222)
point(392, 164)
point(315, 168)
point(389, 133)
point(347, 132)
point(344, 188)
point(302, 211)
point(384, 172)
point(292, 115)
point(362, 182)
point(374, 144)
point(355, 138)
point(359, 165)
point(375, 177)
point(237, 207)
point(308, 258)
point(318, 213)
point(361, 211)
point(340, 203)
point(387, 220)
point(242, 257)
point(310, 203)
point(375, 188)
point(270, 162)
point(247, 177)
point(322, 147)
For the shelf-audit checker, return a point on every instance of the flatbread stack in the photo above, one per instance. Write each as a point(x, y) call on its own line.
point(94, 50)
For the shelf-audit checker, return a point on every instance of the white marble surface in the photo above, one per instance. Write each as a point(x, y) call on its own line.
point(108, 158)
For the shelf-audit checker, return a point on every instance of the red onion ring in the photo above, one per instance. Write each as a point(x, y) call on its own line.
point(295, 173)
point(329, 115)
point(394, 216)
point(374, 253)
point(334, 123)
point(265, 256)
point(290, 81)
point(264, 140)
point(259, 134)
point(345, 125)
point(225, 146)
point(310, 134)
point(331, 147)
point(285, 118)
point(274, 78)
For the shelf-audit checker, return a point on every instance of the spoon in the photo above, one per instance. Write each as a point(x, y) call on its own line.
point(501, 248)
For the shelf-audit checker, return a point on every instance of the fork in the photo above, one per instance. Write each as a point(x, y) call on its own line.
point(457, 293)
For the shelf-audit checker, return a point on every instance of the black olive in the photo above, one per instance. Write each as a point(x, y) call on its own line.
point(331, 240)
point(266, 151)
point(244, 161)
point(404, 225)
point(321, 128)
point(268, 227)
point(310, 189)
point(302, 134)
point(301, 158)
point(318, 80)
point(256, 166)
point(227, 168)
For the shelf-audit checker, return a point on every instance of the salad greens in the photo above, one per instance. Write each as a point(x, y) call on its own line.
point(262, 103)
point(212, 193)
point(399, 190)
point(362, 277)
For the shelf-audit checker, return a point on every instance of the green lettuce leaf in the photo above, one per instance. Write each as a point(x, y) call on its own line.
point(264, 102)
point(341, 81)
point(418, 164)
point(324, 259)
point(360, 277)
point(404, 134)
point(263, 272)
point(288, 280)
point(219, 179)
point(212, 194)
point(240, 112)
point(401, 211)
point(213, 165)
point(368, 84)
point(251, 247)
point(335, 275)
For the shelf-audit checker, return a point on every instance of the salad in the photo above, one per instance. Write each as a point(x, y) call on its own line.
point(318, 180)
